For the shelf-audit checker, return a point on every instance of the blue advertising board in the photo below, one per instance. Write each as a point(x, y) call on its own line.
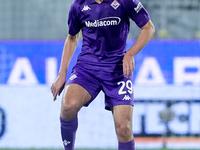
point(160, 62)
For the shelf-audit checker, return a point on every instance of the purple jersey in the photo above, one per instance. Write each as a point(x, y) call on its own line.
point(105, 29)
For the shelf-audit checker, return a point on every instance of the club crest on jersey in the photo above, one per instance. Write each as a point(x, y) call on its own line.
point(73, 77)
point(115, 4)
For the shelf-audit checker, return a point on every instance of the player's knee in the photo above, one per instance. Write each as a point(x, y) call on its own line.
point(124, 131)
point(69, 109)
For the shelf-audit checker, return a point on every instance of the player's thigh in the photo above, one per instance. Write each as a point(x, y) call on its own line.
point(122, 115)
point(75, 96)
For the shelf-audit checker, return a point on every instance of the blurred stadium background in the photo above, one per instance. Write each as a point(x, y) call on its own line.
point(166, 79)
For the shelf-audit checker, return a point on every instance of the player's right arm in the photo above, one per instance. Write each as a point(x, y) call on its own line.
point(68, 51)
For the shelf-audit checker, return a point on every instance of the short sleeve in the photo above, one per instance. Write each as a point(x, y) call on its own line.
point(73, 23)
point(137, 12)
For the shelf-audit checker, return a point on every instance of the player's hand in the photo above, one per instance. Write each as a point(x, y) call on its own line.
point(58, 85)
point(128, 65)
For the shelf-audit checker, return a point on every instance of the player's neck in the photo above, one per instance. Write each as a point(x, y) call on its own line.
point(99, 1)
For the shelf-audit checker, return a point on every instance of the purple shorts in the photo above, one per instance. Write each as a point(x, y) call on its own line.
point(118, 89)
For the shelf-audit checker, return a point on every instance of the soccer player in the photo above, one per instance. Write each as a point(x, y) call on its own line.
point(104, 64)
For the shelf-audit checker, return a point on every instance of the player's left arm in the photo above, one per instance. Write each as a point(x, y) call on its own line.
point(147, 31)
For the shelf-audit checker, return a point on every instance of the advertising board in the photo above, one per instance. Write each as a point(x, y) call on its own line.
point(167, 75)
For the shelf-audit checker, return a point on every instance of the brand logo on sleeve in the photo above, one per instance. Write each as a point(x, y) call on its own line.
point(108, 21)
point(139, 7)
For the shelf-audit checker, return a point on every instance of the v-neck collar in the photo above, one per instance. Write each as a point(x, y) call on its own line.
point(93, 1)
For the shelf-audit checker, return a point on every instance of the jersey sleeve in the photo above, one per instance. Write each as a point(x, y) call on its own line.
point(137, 12)
point(73, 23)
